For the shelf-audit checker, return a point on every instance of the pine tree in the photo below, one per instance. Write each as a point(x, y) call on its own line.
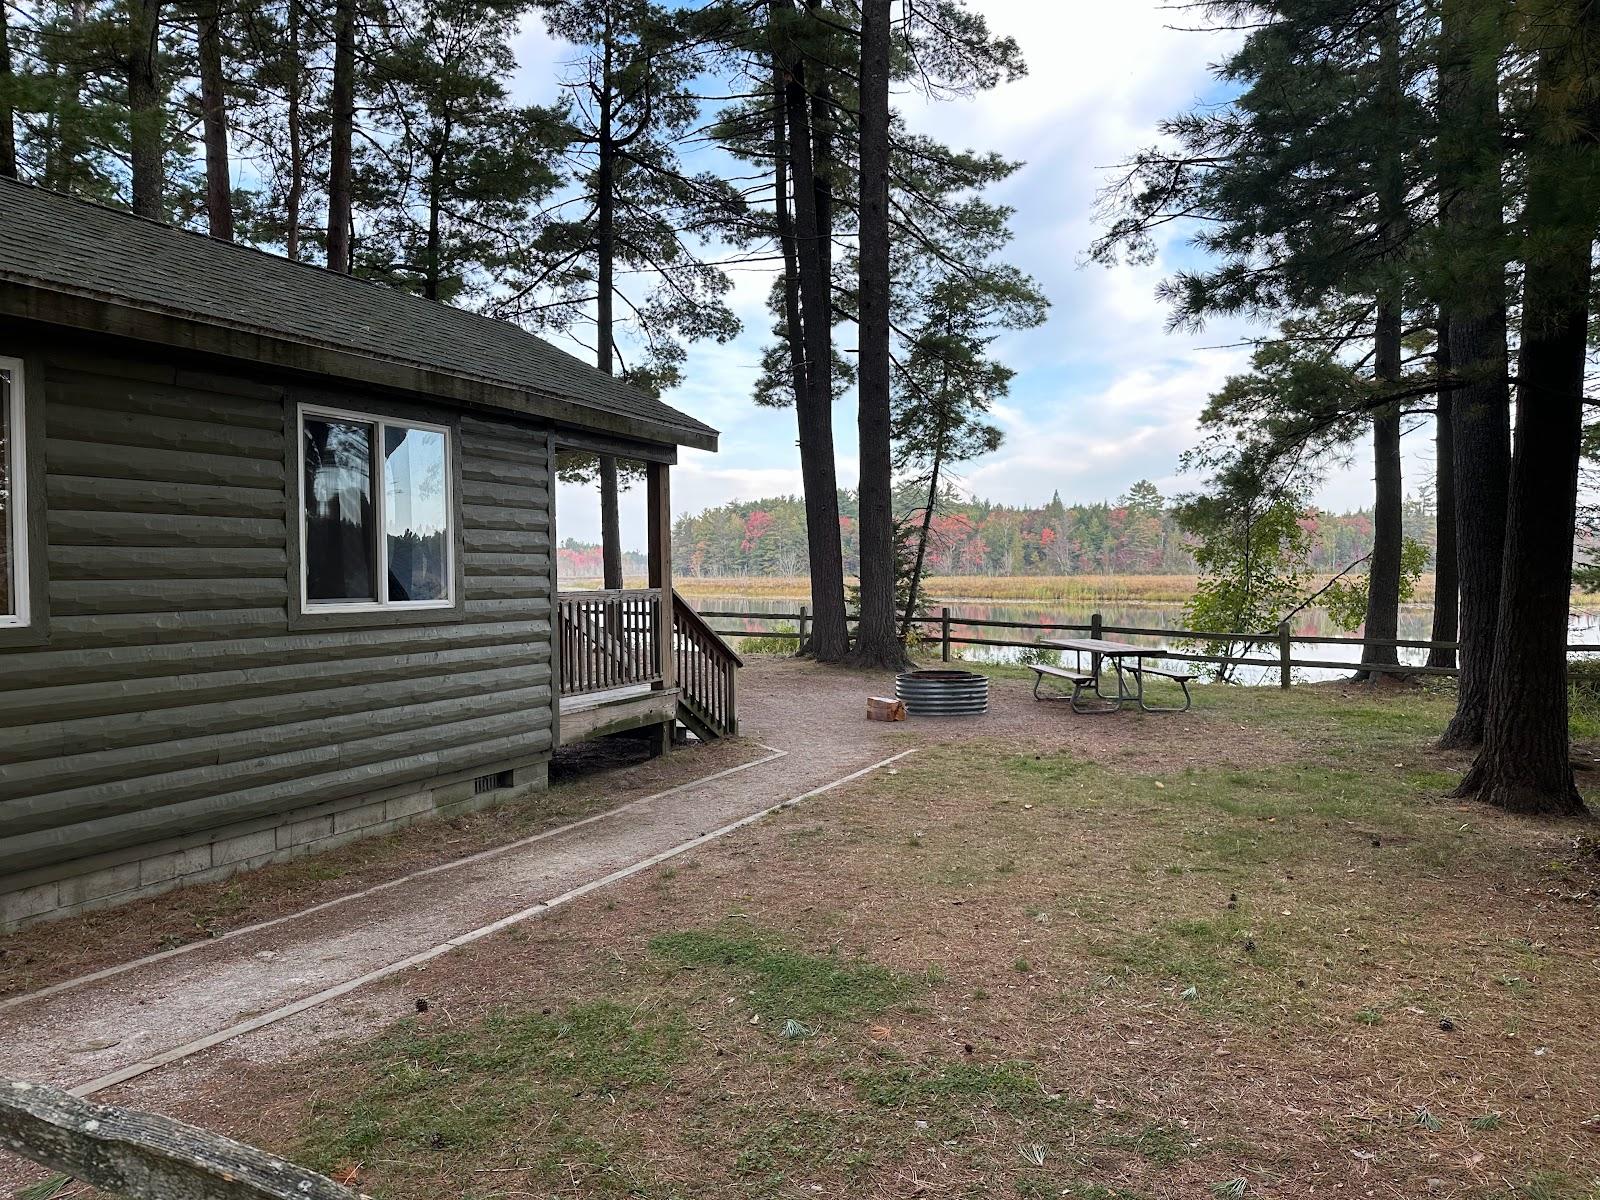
point(1468, 276)
point(629, 110)
point(878, 641)
point(450, 196)
point(1525, 763)
point(1310, 185)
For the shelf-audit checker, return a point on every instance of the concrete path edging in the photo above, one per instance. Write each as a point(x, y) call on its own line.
point(288, 1010)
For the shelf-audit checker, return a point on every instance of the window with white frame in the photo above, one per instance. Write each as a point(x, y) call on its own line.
point(375, 513)
point(13, 498)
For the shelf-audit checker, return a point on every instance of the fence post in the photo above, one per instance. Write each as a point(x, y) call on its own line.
point(1283, 654)
point(805, 619)
point(1095, 626)
point(944, 634)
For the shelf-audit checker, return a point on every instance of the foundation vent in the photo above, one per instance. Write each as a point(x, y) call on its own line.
point(490, 783)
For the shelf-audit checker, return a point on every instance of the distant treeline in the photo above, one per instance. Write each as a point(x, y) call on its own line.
point(1135, 535)
point(583, 560)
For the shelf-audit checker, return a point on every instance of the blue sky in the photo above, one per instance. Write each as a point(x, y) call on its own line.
point(1103, 396)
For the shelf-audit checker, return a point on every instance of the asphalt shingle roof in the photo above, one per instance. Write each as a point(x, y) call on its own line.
point(63, 244)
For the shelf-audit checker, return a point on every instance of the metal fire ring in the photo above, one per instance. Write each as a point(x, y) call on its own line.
point(939, 693)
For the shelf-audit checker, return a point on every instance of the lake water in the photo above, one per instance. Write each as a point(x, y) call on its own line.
point(758, 615)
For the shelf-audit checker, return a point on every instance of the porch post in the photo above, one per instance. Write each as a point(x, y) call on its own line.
point(659, 499)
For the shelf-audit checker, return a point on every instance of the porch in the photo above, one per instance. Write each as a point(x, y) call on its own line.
point(640, 658)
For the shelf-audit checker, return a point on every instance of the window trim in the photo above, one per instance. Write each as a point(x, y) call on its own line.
point(382, 604)
point(16, 421)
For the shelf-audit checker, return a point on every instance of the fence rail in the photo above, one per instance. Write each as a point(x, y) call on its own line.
point(941, 626)
point(145, 1156)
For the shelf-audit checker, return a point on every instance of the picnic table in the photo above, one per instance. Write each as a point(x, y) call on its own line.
point(1127, 661)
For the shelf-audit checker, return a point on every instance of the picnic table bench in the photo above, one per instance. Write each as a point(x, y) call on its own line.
point(1086, 696)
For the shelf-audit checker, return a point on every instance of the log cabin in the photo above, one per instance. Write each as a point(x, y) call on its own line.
point(277, 561)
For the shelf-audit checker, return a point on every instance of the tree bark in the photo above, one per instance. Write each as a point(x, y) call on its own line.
point(1383, 574)
point(1446, 580)
point(297, 160)
point(1525, 762)
point(8, 116)
point(1473, 298)
point(340, 211)
point(214, 120)
point(878, 641)
point(146, 110)
point(1383, 591)
point(434, 251)
point(830, 639)
point(791, 255)
point(915, 587)
point(605, 309)
point(610, 526)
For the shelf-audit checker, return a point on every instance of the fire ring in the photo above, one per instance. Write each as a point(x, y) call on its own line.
point(941, 693)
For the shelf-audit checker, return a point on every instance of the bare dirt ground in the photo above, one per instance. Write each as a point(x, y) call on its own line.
point(1248, 950)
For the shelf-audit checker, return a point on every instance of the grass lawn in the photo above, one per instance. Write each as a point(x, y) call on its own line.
point(1294, 970)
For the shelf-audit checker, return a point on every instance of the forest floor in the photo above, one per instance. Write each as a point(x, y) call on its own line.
point(1251, 950)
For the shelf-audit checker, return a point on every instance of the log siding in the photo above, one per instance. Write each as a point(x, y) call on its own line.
point(177, 690)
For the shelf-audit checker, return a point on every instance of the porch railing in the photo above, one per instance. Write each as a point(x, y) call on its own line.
point(706, 669)
point(609, 639)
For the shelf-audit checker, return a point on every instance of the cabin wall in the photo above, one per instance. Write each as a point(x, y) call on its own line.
point(179, 721)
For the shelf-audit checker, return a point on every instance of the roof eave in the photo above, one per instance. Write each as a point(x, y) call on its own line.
point(35, 300)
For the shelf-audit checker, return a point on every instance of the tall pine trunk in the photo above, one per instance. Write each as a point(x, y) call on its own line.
point(605, 310)
point(1446, 581)
point(433, 253)
point(8, 116)
point(340, 146)
point(1383, 576)
point(146, 108)
point(1525, 762)
point(830, 638)
point(784, 220)
point(292, 118)
point(1473, 296)
point(914, 589)
point(1383, 593)
point(214, 121)
point(877, 637)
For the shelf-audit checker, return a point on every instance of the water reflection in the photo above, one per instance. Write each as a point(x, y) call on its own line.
point(1416, 623)
point(417, 520)
point(340, 549)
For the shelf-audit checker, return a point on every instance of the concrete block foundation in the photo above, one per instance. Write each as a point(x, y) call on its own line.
point(103, 881)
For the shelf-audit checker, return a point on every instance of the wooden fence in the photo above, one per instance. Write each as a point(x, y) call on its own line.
point(144, 1156)
point(1272, 651)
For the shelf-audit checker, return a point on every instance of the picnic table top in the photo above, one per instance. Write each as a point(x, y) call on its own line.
point(1099, 646)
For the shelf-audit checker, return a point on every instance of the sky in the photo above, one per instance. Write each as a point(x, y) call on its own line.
point(1104, 395)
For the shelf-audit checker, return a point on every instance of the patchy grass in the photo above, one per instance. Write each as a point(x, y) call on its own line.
point(1002, 972)
point(460, 1091)
point(787, 985)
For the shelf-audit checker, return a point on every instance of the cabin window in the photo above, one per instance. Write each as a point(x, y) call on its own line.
point(13, 498)
point(375, 512)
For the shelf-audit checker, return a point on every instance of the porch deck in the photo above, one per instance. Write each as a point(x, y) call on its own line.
point(618, 671)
